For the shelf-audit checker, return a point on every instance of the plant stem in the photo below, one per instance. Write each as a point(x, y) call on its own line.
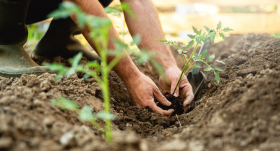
point(181, 76)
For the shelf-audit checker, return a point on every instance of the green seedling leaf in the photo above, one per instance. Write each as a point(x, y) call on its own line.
point(210, 58)
point(227, 29)
point(64, 103)
point(198, 40)
point(54, 66)
point(222, 35)
point(219, 25)
point(217, 69)
point(196, 57)
point(126, 9)
point(136, 39)
point(93, 64)
point(207, 69)
point(195, 31)
point(191, 36)
point(217, 77)
point(190, 44)
point(220, 61)
point(208, 29)
point(86, 76)
point(203, 55)
point(196, 66)
point(162, 40)
point(85, 114)
point(76, 59)
point(180, 51)
point(158, 67)
point(103, 115)
point(212, 37)
point(81, 18)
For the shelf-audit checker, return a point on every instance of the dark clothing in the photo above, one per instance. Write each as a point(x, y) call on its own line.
point(39, 9)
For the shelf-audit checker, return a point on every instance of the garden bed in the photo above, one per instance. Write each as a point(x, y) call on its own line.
point(240, 113)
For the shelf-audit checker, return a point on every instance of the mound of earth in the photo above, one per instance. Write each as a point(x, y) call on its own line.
point(240, 113)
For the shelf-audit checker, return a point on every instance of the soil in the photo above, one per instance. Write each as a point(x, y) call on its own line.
point(240, 113)
point(177, 104)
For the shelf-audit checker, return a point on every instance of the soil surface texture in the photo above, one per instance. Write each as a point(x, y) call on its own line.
point(240, 113)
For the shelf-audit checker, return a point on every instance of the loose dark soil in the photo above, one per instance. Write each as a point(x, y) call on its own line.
point(177, 104)
point(240, 113)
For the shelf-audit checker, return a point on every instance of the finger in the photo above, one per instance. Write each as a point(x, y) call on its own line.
point(189, 98)
point(173, 85)
point(165, 87)
point(155, 108)
point(162, 99)
point(186, 109)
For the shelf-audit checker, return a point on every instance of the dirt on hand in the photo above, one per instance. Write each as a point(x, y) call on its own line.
point(240, 113)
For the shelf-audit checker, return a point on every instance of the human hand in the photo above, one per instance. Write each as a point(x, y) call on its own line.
point(143, 91)
point(184, 90)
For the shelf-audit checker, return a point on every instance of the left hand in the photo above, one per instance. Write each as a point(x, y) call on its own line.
point(184, 90)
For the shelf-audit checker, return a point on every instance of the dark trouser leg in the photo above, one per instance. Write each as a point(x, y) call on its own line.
point(59, 39)
point(14, 61)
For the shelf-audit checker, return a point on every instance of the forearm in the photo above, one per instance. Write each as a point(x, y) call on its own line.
point(147, 24)
point(125, 68)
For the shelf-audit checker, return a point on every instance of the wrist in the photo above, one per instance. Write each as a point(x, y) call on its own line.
point(127, 70)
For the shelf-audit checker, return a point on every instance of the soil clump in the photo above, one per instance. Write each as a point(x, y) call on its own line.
point(240, 113)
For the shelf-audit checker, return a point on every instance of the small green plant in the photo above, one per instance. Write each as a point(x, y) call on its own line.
point(85, 114)
point(197, 39)
point(99, 28)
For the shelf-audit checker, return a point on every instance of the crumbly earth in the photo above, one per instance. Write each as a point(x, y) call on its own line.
point(240, 113)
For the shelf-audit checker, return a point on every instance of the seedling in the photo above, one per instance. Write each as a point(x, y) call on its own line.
point(99, 28)
point(198, 38)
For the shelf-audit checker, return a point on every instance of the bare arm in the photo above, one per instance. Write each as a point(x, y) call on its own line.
point(142, 89)
point(147, 24)
point(125, 68)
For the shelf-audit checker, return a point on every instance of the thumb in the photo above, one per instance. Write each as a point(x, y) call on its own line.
point(162, 99)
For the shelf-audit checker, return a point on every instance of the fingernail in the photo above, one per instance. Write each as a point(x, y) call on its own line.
point(176, 95)
point(168, 103)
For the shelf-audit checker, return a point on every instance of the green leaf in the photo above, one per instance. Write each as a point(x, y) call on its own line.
point(196, 66)
point(198, 40)
point(203, 55)
point(208, 29)
point(220, 61)
point(64, 103)
point(210, 58)
point(136, 39)
point(54, 66)
point(190, 44)
point(81, 18)
point(219, 25)
point(180, 51)
point(126, 9)
point(227, 29)
point(192, 36)
point(76, 59)
point(85, 113)
point(212, 39)
point(162, 40)
point(217, 77)
point(93, 64)
point(195, 31)
point(196, 57)
point(218, 69)
point(103, 115)
point(158, 67)
point(207, 69)
point(222, 35)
